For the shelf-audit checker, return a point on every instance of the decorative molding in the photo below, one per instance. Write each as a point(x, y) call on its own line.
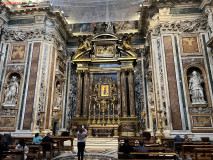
point(200, 110)
point(15, 68)
point(181, 26)
point(22, 35)
point(192, 61)
point(8, 112)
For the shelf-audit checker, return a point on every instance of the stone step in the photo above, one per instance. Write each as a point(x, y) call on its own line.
point(104, 143)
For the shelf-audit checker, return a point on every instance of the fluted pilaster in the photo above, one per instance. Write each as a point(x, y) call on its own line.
point(79, 93)
point(131, 93)
point(124, 94)
point(86, 93)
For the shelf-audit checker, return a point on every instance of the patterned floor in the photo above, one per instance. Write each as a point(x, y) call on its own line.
point(90, 154)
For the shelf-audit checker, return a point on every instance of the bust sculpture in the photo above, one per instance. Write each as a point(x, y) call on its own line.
point(11, 92)
point(196, 89)
point(58, 98)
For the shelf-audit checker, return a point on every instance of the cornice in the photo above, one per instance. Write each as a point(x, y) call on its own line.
point(204, 3)
point(42, 9)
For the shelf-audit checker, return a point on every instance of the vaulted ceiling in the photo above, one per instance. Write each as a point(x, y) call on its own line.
point(87, 11)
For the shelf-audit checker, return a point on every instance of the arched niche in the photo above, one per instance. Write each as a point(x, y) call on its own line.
point(197, 86)
point(11, 91)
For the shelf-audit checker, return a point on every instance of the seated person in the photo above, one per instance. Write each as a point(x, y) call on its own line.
point(187, 139)
point(21, 146)
point(178, 139)
point(37, 139)
point(126, 149)
point(47, 147)
point(141, 148)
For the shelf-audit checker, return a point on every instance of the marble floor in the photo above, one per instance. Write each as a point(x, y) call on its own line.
point(90, 154)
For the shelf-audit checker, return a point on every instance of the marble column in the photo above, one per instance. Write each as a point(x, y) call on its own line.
point(124, 94)
point(78, 94)
point(131, 93)
point(86, 93)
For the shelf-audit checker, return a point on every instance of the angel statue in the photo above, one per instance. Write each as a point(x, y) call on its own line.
point(83, 45)
point(127, 43)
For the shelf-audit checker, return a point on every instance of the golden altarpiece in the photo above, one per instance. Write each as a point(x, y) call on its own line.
point(105, 100)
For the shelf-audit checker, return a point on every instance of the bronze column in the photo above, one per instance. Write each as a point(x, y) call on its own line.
point(79, 93)
point(131, 93)
point(86, 93)
point(123, 87)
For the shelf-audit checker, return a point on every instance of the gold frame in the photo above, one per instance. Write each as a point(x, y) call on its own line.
point(105, 87)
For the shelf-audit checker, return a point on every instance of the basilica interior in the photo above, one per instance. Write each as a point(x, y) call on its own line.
point(120, 68)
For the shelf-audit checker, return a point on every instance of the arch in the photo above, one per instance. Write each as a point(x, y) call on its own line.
point(202, 74)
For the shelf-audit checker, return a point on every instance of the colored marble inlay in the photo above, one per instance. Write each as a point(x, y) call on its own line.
point(50, 89)
point(31, 87)
point(190, 45)
point(7, 122)
point(172, 83)
point(18, 52)
point(202, 121)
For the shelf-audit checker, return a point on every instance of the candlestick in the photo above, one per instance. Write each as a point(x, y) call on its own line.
point(113, 114)
point(94, 121)
point(108, 121)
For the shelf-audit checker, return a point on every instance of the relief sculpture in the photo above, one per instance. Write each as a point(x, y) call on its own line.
point(58, 101)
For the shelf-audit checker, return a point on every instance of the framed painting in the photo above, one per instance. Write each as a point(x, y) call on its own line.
point(105, 90)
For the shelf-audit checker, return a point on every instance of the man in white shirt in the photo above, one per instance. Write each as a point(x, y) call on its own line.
point(82, 134)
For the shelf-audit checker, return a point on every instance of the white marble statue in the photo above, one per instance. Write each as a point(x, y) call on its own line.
point(11, 92)
point(196, 89)
point(58, 98)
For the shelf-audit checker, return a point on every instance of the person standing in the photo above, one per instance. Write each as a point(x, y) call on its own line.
point(81, 134)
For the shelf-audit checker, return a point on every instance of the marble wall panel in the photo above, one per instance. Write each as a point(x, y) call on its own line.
point(31, 87)
point(50, 89)
point(172, 83)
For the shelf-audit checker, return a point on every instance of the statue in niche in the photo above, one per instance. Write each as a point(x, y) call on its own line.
point(95, 90)
point(11, 92)
point(58, 98)
point(196, 89)
point(114, 89)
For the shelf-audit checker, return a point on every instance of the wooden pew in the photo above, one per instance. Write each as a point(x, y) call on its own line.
point(188, 149)
point(60, 140)
point(14, 154)
point(34, 151)
point(153, 155)
point(203, 154)
point(178, 145)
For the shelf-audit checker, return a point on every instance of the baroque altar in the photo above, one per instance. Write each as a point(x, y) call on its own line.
point(105, 101)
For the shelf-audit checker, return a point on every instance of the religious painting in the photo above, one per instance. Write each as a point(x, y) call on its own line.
point(119, 26)
point(106, 50)
point(128, 128)
point(105, 90)
point(202, 121)
point(8, 122)
point(190, 45)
